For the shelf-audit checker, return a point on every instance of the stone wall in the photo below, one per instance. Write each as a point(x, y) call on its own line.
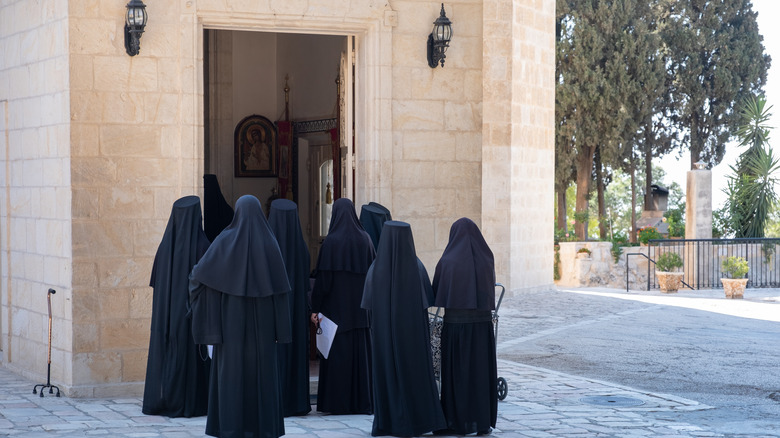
point(518, 89)
point(598, 269)
point(35, 198)
point(97, 145)
point(436, 124)
point(136, 148)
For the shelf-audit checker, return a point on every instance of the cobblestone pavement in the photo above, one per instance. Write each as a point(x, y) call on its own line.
point(540, 403)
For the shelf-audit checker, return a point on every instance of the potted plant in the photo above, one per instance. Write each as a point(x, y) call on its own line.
point(669, 279)
point(644, 235)
point(585, 252)
point(735, 268)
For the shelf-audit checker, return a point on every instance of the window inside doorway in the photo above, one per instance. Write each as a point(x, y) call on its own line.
point(326, 196)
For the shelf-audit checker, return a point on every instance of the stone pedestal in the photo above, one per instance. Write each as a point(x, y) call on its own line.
point(698, 220)
point(698, 204)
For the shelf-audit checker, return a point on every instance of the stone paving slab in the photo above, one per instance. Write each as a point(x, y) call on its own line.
point(540, 403)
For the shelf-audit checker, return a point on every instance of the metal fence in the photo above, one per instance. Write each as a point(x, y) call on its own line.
point(702, 260)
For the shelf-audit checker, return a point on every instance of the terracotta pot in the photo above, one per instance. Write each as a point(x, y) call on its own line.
point(734, 287)
point(669, 282)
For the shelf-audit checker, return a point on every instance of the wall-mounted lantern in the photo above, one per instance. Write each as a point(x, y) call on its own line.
point(135, 21)
point(439, 39)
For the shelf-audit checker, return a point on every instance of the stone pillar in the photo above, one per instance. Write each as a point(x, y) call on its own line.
point(518, 140)
point(698, 221)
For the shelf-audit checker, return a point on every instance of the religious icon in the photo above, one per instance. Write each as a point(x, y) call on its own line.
point(255, 147)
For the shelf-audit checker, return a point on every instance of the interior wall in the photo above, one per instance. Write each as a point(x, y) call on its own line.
point(254, 75)
point(312, 63)
point(247, 75)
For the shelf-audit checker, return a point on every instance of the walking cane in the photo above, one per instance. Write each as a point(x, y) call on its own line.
point(48, 371)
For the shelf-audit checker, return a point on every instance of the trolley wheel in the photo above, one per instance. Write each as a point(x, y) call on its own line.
point(502, 388)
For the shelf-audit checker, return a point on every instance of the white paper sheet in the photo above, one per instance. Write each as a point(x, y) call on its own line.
point(325, 339)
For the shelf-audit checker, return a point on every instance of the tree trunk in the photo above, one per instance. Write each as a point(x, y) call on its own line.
point(600, 198)
point(696, 143)
point(648, 177)
point(584, 166)
point(633, 236)
point(561, 221)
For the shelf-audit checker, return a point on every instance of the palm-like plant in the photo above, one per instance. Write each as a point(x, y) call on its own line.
point(751, 189)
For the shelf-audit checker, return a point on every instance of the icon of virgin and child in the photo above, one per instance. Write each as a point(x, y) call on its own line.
point(256, 151)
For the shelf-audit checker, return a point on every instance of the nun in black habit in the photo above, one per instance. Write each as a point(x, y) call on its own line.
point(177, 370)
point(217, 213)
point(372, 217)
point(240, 306)
point(398, 294)
point(345, 256)
point(294, 357)
point(464, 284)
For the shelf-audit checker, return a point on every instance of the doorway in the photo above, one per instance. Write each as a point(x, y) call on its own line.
point(293, 80)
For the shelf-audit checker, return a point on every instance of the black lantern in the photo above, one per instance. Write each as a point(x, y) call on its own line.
point(135, 21)
point(439, 39)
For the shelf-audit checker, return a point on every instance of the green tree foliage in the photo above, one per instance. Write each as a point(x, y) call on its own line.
point(604, 48)
point(618, 200)
point(751, 188)
point(716, 60)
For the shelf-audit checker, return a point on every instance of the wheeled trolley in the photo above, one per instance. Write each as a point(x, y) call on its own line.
point(503, 389)
point(436, 320)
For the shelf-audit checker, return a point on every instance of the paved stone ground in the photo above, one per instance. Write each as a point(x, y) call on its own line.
point(540, 403)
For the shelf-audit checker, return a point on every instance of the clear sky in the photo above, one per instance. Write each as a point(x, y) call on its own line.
point(676, 167)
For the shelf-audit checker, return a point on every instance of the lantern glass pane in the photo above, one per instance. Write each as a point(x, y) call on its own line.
point(447, 32)
point(438, 32)
point(136, 16)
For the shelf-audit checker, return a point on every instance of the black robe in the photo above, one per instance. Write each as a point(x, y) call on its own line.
point(345, 377)
point(464, 284)
point(177, 371)
point(294, 357)
point(398, 294)
point(383, 208)
point(217, 213)
point(372, 217)
point(239, 303)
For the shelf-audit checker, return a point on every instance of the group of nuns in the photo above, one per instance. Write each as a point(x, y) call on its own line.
point(230, 321)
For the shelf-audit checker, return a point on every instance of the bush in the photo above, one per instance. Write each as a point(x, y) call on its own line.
point(668, 262)
point(564, 235)
point(735, 267)
point(647, 233)
point(583, 251)
point(616, 250)
point(674, 218)
point(619, 240)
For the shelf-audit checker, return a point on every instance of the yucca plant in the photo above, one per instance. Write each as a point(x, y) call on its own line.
point(751, 188)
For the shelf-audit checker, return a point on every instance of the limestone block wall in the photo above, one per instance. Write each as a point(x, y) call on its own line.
point(599, 269)
point(518, 143)
point(97, 145)
point(135, 139)
point(35, 225)
point(437, 124)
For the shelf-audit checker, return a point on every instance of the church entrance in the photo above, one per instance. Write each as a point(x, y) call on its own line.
point(279, 120)
point(279, 123)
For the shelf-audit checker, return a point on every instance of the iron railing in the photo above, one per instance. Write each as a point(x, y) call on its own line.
point(702, 260)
